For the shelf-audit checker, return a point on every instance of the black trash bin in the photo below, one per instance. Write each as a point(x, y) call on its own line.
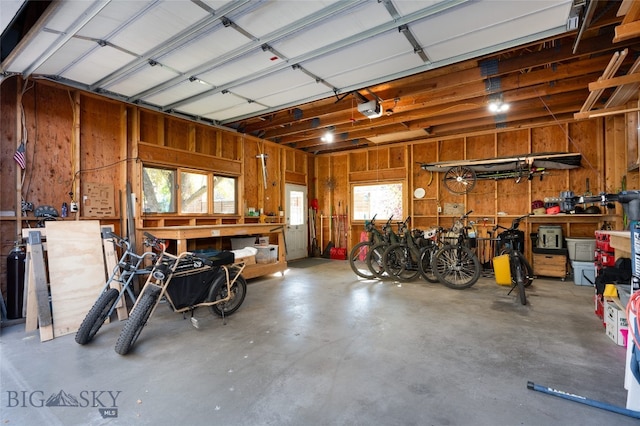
point(15, 283)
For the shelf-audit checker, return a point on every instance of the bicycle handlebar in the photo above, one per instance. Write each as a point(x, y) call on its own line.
point(152, 241)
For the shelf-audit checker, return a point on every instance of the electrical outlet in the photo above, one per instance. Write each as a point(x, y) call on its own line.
point(439, 209)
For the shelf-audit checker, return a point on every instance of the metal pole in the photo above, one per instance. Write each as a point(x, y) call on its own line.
point(583, 400)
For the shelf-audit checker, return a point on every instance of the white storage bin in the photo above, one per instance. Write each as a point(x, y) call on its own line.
point(581, 249)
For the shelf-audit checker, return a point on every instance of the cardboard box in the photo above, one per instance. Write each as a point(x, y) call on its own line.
point(267, 254)
point(617, 334)
point(263, 241)
point(614, 314)
point(615, 322)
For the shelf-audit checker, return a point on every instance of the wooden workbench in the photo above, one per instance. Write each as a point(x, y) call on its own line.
point(182, 234)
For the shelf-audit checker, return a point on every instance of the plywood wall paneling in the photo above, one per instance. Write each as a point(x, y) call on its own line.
point(206, 140)
point(358, 161)
point(451, 149)
point(301, 162)
point(252, 177)
point(552, 138)
point(378, 158)
point(272, 194)
point(177, 133)
point(482, 198)
point(102, 159)
point(425, 152)
point(151, 125)
point(512, 143)
point(581, 136)
point(481, 146)
point(230, 146)
point(340, 173)
point(49, 118)
point(290, 160)
point(615, 155)
point(397, 156)
point(323, 167)
point(633, 130)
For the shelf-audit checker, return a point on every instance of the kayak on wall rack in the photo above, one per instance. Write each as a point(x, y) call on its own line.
point(460, 176)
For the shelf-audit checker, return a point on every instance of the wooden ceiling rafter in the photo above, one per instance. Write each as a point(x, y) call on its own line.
point(515, 88)
point(543, 81)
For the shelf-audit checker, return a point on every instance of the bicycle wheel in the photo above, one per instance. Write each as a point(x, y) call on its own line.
point(517, 272)
point(456, 267)
point(426, 260)
point(399, 263)
point(96, 316)
point(459, 179)
point(219, 291)
point(374, 260)
point(137, 320)
point(358, 260)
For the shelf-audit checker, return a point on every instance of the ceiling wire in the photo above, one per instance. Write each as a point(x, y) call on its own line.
point(564, 130)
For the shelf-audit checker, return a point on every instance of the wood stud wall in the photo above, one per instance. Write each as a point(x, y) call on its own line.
point(110, 135)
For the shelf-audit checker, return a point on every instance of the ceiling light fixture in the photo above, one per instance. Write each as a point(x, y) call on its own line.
point(327, 137)
point(498, 106)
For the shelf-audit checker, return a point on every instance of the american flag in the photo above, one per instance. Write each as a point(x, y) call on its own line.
point(20, 156)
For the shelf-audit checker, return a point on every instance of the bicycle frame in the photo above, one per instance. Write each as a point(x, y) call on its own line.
point(129, 266)
point(161, 277)
point(202, 286)
point(520, 269)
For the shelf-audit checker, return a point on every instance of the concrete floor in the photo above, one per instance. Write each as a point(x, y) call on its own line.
point(322, 347)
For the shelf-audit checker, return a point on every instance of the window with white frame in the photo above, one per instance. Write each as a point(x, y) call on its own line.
point(381, 199)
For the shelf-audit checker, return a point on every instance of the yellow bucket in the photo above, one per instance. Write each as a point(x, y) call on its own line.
point(501, 269)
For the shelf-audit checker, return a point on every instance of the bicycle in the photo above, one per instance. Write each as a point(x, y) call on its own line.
point(359, 252)
point(510, 243)
point(129, 266)
point(186, 281)
point(455, 264)
point(402, 260)
point(374, 258)
point(428, 254)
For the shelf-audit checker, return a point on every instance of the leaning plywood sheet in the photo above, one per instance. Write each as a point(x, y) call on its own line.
point(76, 271)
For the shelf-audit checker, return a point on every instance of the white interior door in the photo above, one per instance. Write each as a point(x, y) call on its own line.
point(296, 221)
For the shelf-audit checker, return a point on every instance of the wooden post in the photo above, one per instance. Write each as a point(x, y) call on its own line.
point(39, 285)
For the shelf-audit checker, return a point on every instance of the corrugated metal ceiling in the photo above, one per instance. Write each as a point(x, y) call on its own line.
point(222, 61)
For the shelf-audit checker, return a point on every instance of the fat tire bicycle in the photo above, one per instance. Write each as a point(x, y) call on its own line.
point(402, 260)
point(359, 252)
point(130, 265)
point(374, 259)
point(455, 264)
point(187, 281)
point(510, 243)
